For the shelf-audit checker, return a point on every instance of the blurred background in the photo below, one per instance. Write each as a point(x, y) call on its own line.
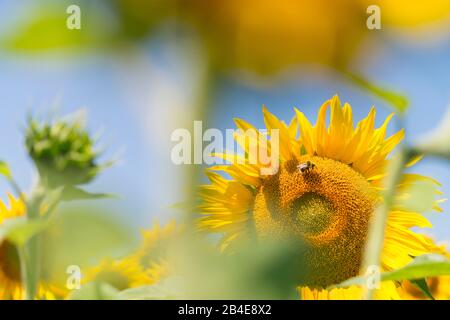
point(141, 69)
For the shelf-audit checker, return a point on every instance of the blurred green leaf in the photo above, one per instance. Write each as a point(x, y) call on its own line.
point(4, 170)
point(83, 235)
point(399, 102)
point(163, 290)
point(263, 270)
point(425, 266)
point(71, 193)
point(138, 19)
point(94, 291)
point(437, 142)
point(374, 244)
point(20, 230)
point(419, 197)
point(45, 28)
point(422, 285)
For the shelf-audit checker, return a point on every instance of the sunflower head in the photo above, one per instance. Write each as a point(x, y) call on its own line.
point(10, 275)
point(153, 253)
point(146, 266)
point(324, 193)
point(63, 152)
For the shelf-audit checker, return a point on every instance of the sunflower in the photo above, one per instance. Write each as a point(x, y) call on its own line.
point(146, 266)
point(11, 286)
point(324, 192)
point(119, 273)
point(152, 255)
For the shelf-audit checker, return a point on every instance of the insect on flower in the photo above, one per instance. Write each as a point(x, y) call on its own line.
point(306, 167)
point(330, 209)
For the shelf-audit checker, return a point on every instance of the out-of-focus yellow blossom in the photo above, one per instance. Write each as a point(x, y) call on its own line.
point(146, 266)
point(121, 273)
point(266, 36)
point(152, 255)
point(411, 13)
point(11, 285)
point(259, 36)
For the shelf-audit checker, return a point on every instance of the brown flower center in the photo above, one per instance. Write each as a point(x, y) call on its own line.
point(326, 204)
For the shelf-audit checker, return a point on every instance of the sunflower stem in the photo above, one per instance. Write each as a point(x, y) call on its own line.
point(24, 269)
point(374, 245)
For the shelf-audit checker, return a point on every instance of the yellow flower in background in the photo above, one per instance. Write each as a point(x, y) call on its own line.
point(146, 266)
point(388, 291)
point(266, 36)
point(121, 274)
point(439, 287)
point(11, 286)
point(260, 36)
point(324, 193)
point(411, 13)
point(152, 255)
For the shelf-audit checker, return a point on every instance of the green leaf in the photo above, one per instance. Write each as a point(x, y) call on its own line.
point(423, 286)
point(425, 266)
point(303, 150)
point(71, 193)
point(51, 200)
point(164, 290)
point(94, 291)
point(264, 269)
point(20, 230)
point(82, 235)
point(4, 170)
point(437, 142)
point(44, 28)
point(419, 197)
point(398, 101)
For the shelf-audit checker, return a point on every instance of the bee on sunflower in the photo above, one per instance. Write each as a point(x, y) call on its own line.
point(324, 193)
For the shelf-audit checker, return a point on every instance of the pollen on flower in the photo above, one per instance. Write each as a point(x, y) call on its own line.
point(313, 213)
point(328, 208)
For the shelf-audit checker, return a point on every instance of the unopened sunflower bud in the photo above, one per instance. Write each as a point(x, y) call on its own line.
point(63, 152)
